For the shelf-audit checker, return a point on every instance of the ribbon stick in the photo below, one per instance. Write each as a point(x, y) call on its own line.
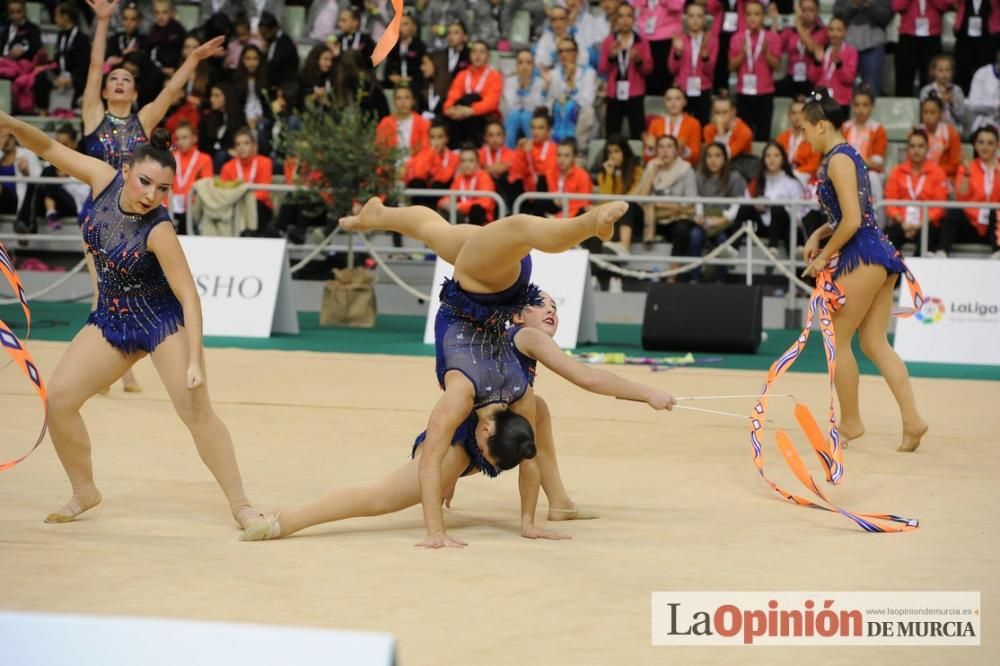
point(390, 37)
point(17, 351)
point(826, 299)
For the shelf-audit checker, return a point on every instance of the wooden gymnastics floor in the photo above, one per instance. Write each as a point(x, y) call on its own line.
point(681, 506)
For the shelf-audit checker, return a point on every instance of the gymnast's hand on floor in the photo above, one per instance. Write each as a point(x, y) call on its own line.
point(535, 532)
point(660, 400)
point(441, 540)
point(195, 377)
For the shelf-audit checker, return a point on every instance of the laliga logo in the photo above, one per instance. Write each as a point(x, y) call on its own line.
point(931, 311)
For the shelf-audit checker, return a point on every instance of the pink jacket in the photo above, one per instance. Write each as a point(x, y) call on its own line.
point(718, 8)
point(840, 80)
point(765, 76)
point(663, 16)
point(792, 45)
point(608, 66)
point(681, 69)
point(993, 25)
point(910, 9)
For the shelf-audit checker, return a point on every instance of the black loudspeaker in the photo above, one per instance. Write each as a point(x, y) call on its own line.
point(703, 318)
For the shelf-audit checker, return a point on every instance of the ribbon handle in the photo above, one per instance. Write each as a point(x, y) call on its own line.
point(390, 37)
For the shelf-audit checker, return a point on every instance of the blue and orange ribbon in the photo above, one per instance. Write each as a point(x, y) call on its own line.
point(18, 352)
point(827, 298)
point(390, 37)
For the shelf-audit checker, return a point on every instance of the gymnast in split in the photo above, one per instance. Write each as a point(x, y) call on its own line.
point(483, 422)
point(866, 269)
point(147, 304)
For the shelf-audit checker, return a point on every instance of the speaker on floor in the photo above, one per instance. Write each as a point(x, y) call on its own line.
point(702, 317)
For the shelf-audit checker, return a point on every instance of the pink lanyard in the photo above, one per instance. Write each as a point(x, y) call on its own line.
point(492, 158)
point(794, 141)
point(184, 175)
point(755, 53)
point(253, 171)
point(479, 84)
point(672, 130)
point(915, 193)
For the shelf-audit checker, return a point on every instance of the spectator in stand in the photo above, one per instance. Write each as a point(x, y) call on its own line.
point(473, 97)
point(318, 74)
point(431, 99)
point(754, 54)
point(502, 163)
point(684, 127)
point(916, 179)
point(433, 167)
point(322, 19)
point(777, 182)
point(803, 159)
point(351, 37)
point(251, 87)
point(945, 145)
point(867, 21)
point(587, 30)
point(207, 71)
point(20, 40)
point(538, 155)
point(375, 17)
point(974, 45)
point(192, 165)
point(800, 42)
point(667, 175)
point(659, 22)
point(950, 94)
point(249, 167)
point(836, 66)
point(61, 84)
point(692, 63)
point(128, 39)
point(470, 209)
point(523, 92)
point(546, 52)
point(726, 129)
point(572, 96)
point(441, 15)
point(455, 58)
point(219, 124)
point(242, 38)
point(282, 54)
point(604, 25)
point(865, 135)
point(402, 64)
point(53, 201)
point(231, 9)
point(355, 84)
point(166, 38)
point(919, 40)
point(489, 22)
point(15, 161)
point(626, 62)
point(404, 128)
point(257, 9)
point(567, 178)
point(984, 96)
point(716, 179)
point(620, 174)
point(977, 182)
point(727, 19)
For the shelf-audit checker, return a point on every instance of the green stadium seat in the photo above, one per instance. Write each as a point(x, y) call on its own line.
point(652, 105)
point(188, 16)
point(948, 32)
point(898, 115)
point(295, 21)
point(33, 12)
point(594, 150)
point(779, 120)
point(520, 28)
point(5, 99)
point(304, 48)
point(757, 148)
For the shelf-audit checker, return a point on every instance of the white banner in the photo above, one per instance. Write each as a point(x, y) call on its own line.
point(862, 619)
point(564, 276)
point(960, 322)
point(239, 280)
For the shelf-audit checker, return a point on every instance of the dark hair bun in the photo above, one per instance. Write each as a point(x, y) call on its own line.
point(512, 441)
point(527, 449)
point(160, 139)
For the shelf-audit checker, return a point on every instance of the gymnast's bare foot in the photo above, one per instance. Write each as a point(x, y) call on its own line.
point(572, 512)
point(264, 528)
point(849, 431)
point(82, 500)
point(912, 434)
point(130, 385)
point(367, 219)
point(604, 218)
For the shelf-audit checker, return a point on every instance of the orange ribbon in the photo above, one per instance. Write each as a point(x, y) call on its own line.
point(826, 298)
point(18, 352)
point(390, 37)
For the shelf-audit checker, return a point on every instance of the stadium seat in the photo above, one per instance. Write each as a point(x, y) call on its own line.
point(594, 150)
point(898, 115)
point(779, 120)
point(304, 48)
point(826, 6)
point(33, 12)
point(189, 16)
point(520, 29)
point(757, 148)
point(948, 32)
point(5, 95)
point(295, 21)
point(652, 105)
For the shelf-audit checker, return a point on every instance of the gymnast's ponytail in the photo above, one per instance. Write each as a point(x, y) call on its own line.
point(820, 106)
point(156, 150)
point(512, 440)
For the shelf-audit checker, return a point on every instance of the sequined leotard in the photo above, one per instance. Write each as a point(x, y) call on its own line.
point(868, 245)
point(114, 141)
point(136, 309)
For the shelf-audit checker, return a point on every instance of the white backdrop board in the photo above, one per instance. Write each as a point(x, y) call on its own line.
point(960, 323)
point(565, 276)
point(244, 284)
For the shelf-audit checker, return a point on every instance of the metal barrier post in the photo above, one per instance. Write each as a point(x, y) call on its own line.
point(791, 310)
point(748, 225)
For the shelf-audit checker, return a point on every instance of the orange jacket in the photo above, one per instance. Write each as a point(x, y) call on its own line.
point(431, 166)
point(945, 148)
point(740, 137)
point(514, 159)
point(577, 181)
point(975, 174)
point(688, 134)
point(935, 188)
point(187, 173)
point(538, 160)
point(870, 140)
point(258, 169)
point(805, 160)
point(477, 181)
point(486, 81)
point(388, 128)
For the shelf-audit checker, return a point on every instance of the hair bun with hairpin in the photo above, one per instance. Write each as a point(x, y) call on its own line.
point(160, 139)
